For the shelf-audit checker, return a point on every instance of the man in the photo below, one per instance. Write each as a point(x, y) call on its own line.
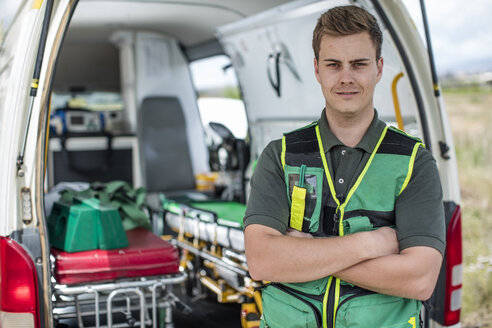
point(347, 181)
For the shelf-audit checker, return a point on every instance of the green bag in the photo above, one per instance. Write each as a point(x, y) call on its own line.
point(120, 195)
point(128, 201)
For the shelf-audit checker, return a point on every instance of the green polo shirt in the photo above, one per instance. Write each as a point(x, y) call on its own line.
point(419, 211)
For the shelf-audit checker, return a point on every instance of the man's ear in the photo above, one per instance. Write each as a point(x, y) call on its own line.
point(380, 64)
point(316, 69)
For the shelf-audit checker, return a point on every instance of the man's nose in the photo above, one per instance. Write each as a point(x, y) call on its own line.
point(346, 75)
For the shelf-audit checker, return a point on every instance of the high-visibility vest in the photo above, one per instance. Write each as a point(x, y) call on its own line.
point(316, 209)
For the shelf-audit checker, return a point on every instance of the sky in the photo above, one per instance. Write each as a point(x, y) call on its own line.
point(461, 31)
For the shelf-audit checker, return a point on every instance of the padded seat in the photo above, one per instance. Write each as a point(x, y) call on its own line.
point(164, 150)
point(164, 146)
point(146, 255)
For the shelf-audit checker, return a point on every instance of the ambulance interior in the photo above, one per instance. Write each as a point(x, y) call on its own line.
point(125, 107)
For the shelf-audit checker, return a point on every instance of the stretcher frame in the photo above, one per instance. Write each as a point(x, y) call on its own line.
point(68, 300)
point(225, 263)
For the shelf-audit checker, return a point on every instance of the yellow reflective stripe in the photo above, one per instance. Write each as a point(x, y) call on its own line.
point(325, 166)
point(413, 322)
point(410, 166)
point(337, 299)
point(325, 299)
point(361, 176)
point(36, 4)
point(297, 208)
point(282, 155)
point(340, 222)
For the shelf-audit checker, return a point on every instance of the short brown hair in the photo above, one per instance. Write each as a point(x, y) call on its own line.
point(347, 20)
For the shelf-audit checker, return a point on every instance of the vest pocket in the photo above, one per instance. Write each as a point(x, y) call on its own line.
point(377, 310)
point(313, 287)
point(356, 224)
point(305, 192)
point(284, 308)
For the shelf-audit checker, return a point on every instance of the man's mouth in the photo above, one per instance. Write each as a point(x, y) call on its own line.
point(347, 93)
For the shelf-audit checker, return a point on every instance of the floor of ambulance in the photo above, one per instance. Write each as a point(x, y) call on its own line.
point(206, 313)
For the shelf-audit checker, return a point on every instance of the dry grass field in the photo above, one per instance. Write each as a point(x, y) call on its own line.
point(470, 113)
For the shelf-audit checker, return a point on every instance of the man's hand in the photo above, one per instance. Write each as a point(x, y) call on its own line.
point(285, 258)
point(296, 233)
point(384, 240)
point(418, 267)
point(412, 273)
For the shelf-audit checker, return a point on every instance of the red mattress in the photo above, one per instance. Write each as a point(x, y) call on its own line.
point(146, 255)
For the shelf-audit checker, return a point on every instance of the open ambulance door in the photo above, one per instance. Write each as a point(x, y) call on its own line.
point(273, 57)
point(36, 32)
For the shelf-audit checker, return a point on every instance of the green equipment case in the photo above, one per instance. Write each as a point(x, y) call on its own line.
point(85, 224)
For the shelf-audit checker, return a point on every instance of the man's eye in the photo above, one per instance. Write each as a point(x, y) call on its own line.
point(360, 65)
point(332, 65)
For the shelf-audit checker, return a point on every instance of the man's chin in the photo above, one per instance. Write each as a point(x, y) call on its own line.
point(348, 112)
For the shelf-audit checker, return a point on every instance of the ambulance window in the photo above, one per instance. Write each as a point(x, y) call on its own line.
point(219, 98)
point(8, 8)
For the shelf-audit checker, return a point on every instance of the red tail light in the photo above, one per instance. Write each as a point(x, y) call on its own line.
point(454, 270)
point(18, 286)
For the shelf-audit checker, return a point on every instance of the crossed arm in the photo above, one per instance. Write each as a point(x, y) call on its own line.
point(367, 259)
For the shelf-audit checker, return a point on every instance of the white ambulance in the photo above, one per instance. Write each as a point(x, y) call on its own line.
point(100, 90)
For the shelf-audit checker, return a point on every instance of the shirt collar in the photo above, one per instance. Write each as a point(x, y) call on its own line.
point(368, 142)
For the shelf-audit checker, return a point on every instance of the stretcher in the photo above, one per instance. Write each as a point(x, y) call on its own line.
point(125, 281)
point(214, 221)
point(210, 235)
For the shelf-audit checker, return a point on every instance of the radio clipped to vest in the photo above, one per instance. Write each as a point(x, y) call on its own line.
point(305, 193)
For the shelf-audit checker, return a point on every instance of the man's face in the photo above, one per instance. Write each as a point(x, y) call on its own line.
point(348, 72)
